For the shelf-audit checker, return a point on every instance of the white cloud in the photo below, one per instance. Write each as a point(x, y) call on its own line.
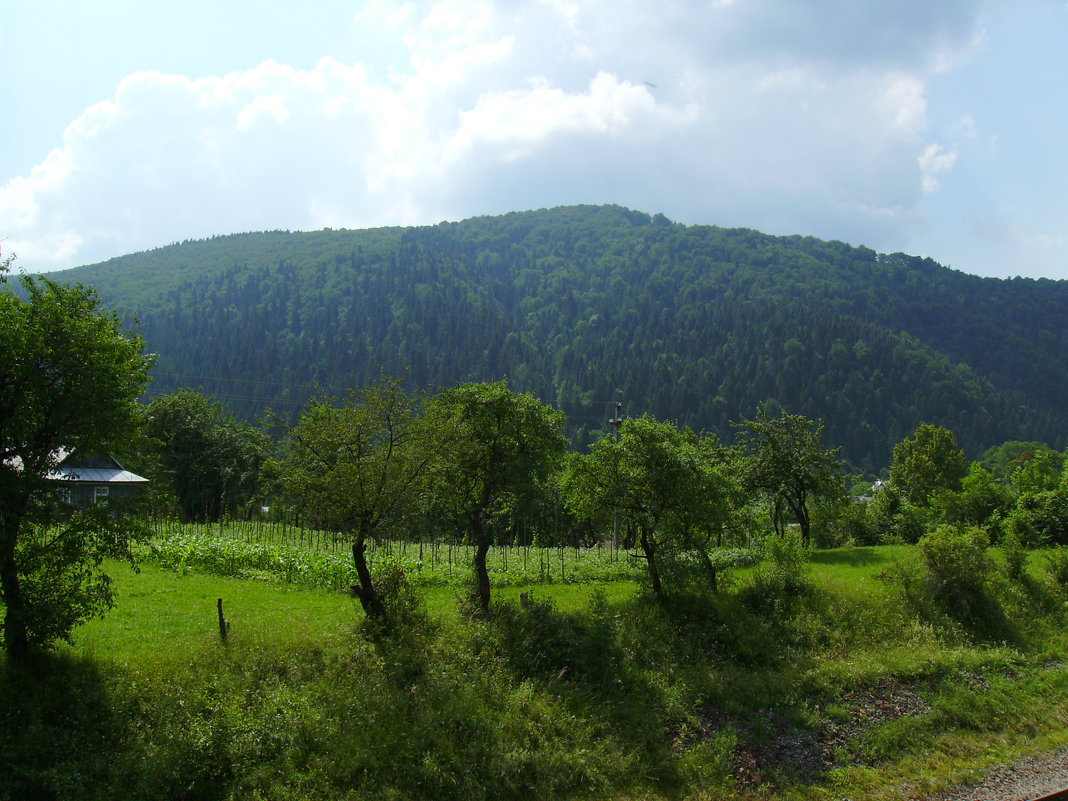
point(933, 161)
point(787, 115)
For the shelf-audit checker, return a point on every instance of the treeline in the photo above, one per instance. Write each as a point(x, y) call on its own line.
point(584, 306)
point(483, 464)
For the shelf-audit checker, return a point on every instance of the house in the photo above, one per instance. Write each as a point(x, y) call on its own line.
point(89, 479)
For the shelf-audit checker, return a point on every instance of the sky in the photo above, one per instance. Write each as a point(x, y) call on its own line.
point(931, 128)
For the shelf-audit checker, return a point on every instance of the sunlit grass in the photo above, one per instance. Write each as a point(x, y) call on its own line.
point(586, 682)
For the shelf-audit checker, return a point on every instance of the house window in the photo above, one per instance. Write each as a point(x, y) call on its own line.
point(65, 496)
point(100, 494)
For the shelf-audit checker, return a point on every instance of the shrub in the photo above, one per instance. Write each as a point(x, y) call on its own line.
point(893, 519)
point(1040, 519)
point(1015, 557)
point(846, 524)
point(782, 576)
point(1057, 567)
point(956, 560)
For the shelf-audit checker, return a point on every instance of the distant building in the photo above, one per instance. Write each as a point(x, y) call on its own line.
point(91, 479)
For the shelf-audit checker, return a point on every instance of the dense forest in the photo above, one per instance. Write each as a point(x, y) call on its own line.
point(583, 306)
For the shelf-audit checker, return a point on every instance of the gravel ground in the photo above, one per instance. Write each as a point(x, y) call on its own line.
point(1030, 777)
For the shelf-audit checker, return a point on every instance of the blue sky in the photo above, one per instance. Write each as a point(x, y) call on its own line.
point(931, 128)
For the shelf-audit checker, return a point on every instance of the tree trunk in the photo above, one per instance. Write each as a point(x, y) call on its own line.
point(710, 570)
point(481, 571)
point(365, 590)
point(800, 510)
point(649, 549)
point(16, 635)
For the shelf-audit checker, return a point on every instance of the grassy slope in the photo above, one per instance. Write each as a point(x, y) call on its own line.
point(835, 692)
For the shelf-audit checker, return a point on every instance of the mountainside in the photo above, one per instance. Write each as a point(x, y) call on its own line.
point(586, 305)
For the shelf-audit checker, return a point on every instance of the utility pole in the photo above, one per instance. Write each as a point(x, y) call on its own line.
point(616, 422)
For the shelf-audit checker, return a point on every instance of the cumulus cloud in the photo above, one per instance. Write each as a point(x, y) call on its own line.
point(788, 115)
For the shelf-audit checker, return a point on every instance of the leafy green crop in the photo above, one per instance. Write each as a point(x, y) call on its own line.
point(320, 559)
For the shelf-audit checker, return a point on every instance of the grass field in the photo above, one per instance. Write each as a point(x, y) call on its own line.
point(162, 614)
point(817, 681)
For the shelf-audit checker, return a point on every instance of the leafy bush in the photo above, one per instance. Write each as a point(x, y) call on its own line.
point(956, 556)
point(845, 524)
point(782, 576)
point(1040, 519)
point(1015, 557)
point(1057, 567)
point(540, 641)
point(952, 582)
point(893, 519)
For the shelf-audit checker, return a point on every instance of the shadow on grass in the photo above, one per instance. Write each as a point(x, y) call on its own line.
point(57, 729)
point(852, 557)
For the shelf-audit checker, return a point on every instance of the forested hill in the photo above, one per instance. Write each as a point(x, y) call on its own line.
point(586, 305)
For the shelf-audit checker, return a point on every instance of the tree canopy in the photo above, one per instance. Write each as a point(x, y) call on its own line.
point(666, 485)
point(355, 467)
point(70, 375)
point(495, 450)
point(582, 305)
point(788, 463)
point(926, 462)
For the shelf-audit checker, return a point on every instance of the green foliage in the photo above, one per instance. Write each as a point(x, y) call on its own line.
point(1038, 471)
point(782, 576)
point(786, 461)
point(540, 641)
point(953, 583)
point(494, 450)
point(1015, 554)
point(894, 519)
point(927, 462)
point(670, 490)
point(957, 562)
point(981, 501)
point(688, 697)
point(1057, 567)
point(1040, 519)
point(60, 569)
point(583, 305)
point(314, 559)
point(357, 468)
point(843, 524)
point(208, 461)
point(69, 380)
point(1001, 460)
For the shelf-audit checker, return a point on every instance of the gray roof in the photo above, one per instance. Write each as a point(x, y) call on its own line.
point(105, 470)
point(98, 475)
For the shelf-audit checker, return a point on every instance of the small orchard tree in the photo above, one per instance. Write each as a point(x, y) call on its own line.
point(494, 449)
point(786, 461)
point(356, 467)
point(70, 376)
point(663, 482)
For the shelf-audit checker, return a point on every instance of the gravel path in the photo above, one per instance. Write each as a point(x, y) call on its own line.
point(1026, 779)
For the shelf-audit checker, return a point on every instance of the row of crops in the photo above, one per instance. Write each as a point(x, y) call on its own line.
point(312, 558)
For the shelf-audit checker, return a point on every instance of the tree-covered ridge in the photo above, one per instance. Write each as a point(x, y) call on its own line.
point(585, 305)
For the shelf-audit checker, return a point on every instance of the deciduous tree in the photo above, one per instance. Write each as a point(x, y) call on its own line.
point(495, 448)
point(927, 461)
point(355, 467)
point(788, 463)
point(70, 375)
point(209, 461)
point(665, 483)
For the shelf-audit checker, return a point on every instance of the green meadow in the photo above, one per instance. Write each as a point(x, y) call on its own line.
point(814, 675)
